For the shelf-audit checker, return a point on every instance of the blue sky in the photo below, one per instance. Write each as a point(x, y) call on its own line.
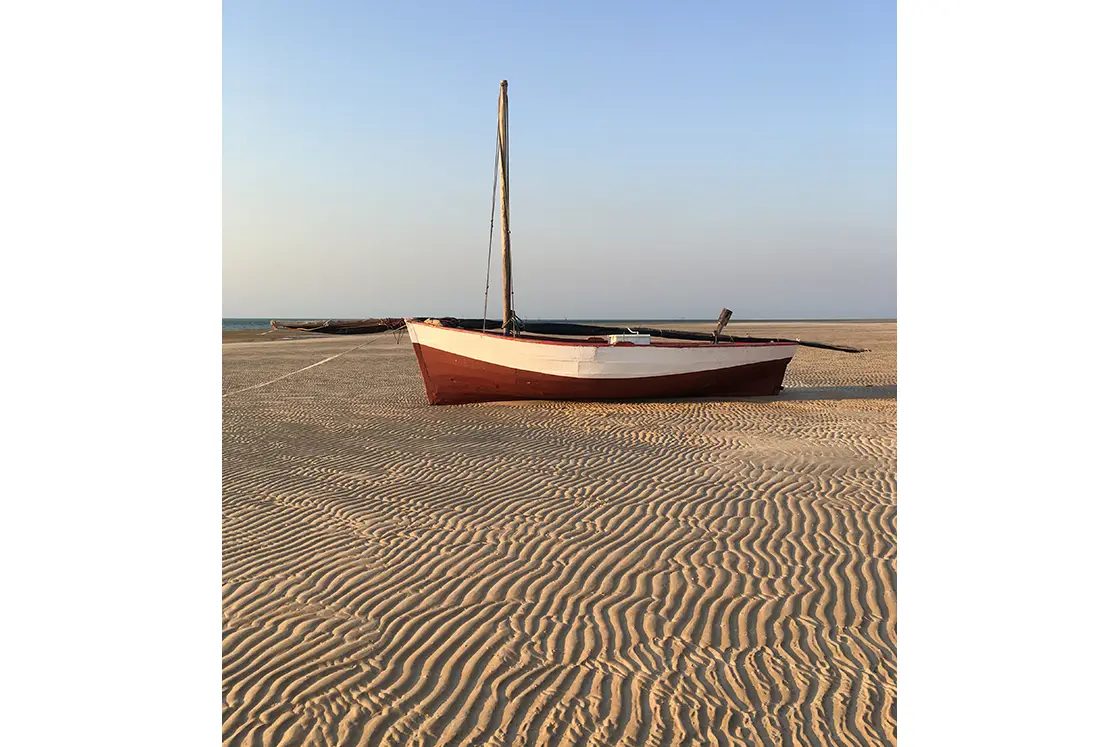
point(667, 159)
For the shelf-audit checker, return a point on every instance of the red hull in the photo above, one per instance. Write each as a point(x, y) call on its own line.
point(451, 379)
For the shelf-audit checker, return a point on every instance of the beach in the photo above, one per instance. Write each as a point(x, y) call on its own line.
point(717, 571)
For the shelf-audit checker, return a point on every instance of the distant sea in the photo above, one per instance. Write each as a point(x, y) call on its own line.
point(228, 324)
point(246, 323)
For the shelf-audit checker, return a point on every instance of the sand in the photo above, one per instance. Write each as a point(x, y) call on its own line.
point(691, 572)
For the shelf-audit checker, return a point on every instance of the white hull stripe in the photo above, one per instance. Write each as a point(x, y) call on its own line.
point(592, 361)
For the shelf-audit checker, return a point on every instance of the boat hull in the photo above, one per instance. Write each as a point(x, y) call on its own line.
point(342, 326)
point(460, 367)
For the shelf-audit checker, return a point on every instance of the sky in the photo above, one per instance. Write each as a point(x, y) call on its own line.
point(667, 159)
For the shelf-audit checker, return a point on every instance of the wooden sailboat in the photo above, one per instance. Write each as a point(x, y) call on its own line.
point(341, 326)
point(461, 365)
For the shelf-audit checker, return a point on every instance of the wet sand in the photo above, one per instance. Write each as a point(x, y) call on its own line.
point(690, 572)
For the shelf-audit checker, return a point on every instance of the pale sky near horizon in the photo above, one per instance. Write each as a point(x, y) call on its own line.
point(667, 159)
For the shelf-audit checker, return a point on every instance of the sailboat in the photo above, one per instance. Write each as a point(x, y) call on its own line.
point(463, 362)
point(341, 326)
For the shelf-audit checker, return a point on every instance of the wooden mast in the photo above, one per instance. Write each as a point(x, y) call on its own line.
point(503, 181)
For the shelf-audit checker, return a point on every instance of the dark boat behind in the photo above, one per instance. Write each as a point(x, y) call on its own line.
point(343, 326)
point(557, 330)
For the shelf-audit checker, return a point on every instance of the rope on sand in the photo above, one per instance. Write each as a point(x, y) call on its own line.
point(293, 373)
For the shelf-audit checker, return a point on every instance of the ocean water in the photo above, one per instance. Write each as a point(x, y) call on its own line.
point(247, 323)
point(258, 323)
point(228, 324)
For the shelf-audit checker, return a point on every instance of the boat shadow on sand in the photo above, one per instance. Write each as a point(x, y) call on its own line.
point(791, 394)
point(811, 393)
point(804, 394)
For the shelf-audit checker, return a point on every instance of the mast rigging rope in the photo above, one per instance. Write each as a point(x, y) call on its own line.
point(490, 245)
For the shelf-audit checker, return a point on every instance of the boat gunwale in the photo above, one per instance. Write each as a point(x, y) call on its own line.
point(603, 343)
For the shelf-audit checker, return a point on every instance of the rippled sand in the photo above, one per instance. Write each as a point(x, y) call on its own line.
point(694, 572)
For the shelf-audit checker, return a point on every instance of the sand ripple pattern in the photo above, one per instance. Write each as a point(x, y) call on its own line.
point(671, 573)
